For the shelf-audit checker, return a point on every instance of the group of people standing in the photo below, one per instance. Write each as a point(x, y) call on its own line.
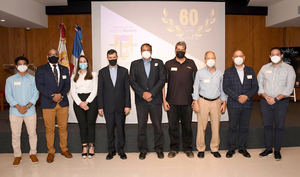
point(207, 91)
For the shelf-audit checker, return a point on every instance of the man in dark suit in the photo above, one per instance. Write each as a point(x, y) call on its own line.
point(240, 84)
point(53, 82)
point(147, 78)
point(114, 102)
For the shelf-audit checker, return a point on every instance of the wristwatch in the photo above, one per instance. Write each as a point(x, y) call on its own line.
point(276, 100)
point(28, 106)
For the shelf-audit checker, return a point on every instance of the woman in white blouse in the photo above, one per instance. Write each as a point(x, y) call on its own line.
point(84, 84)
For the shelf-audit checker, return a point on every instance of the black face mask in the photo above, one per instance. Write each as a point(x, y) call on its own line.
point(180, 54)
point(53, 59)
point(112, 62)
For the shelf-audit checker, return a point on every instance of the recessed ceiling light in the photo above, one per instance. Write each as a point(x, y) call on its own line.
point(2, 20)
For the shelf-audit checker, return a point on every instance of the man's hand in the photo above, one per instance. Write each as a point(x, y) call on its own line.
point(21, 109)
point(147, 96)
point(57, 97)
point(269, 99)
point(166, 105)
point(84, 105)
point(223, 107)
point(126, 111)
point(242, 99)
point(100, 111)
point(195, 106)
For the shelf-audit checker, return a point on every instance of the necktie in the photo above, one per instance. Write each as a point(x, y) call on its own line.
point(55, 74)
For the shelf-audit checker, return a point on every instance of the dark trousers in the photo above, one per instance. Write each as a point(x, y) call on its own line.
point(86, 119)
point(155, 112)
point(182, 113)
point(239, 119)
point(115, 121)
point(274, 113)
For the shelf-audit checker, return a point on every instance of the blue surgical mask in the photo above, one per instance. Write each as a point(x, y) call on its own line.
point(83, 66)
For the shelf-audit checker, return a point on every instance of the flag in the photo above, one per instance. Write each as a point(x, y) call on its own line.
point(77, 47)
point(62, 49)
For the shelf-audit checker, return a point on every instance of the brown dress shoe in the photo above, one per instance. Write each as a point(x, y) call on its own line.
point(50, 158)
point(16, 161)
point(67, 154)
point(33, 158)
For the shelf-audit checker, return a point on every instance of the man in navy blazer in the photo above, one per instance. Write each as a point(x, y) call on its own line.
point(240, 84)
point(53, 82)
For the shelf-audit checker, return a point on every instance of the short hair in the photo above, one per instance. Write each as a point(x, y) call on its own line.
point(21, 58)
point(208, 53)
point(147, 44)
point(275, 48)
point(112, 51)
point(182, 43)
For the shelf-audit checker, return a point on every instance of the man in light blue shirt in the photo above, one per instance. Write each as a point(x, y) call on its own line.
point(209, 100)
point(113, 73)
point(21, 94)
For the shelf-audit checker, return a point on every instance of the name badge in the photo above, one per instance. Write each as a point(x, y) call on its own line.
point(17, 83)
point(173, 69)
point(188, 67)
point(249, 76)
point(155, 64)
point(64, 77)
point(206, 81)
point(268, 71)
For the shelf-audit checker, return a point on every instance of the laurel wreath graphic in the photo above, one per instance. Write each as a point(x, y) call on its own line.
point(200, 29)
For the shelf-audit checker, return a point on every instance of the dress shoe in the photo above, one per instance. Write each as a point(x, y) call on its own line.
point(33, 158)
point(200, 154)
point(67, 154)
point(17, 161)
point(266, 152)
point(110, 155)
point(160, 154)
point(172, 154)
point(189, 154)
point(50, 158)
point(84, 153)
point(230, 153)
point(123, 156)
point(216, 154)
point(142, 155)
point(245, 153)
point(277, 155)
point(91, 150)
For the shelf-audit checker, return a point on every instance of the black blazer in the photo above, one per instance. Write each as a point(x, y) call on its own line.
point(46, 84)
point(110, 98)
point(154, 84)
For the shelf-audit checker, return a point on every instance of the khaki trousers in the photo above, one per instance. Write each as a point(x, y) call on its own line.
point(212, 109)
point(16, 123)
point(62, 114)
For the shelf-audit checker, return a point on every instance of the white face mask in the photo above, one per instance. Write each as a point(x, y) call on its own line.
point(146, 54)
point(210, 63)
point(275, 59)
point(238, 61)
point(22, 68)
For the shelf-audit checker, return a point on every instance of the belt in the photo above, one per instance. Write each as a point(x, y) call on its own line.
point(208, 99)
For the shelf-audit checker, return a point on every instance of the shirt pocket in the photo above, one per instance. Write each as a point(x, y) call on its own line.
point(282, 78)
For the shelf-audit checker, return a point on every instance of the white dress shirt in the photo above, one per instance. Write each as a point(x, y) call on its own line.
point(84, 86)
point(58, 71)
point(240, 73)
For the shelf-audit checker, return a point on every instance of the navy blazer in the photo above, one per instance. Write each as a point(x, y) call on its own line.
point(153, 84)
point(233, 87)
point(46, 84)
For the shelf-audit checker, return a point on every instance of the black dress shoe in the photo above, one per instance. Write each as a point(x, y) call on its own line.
point(110, 155)
point(230, 153)
point(216, 154)
point(160, 154)
point(266, 152)
point(123, 156)
point(142, 155)
point(200, 154)
point(189, 154)
point(172, 154)
point(245, 153)
point(277, 155)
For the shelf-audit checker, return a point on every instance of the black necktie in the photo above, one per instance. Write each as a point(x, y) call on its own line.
point(55, 74)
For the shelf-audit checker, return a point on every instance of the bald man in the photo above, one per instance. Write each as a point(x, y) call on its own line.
point(240, 84)
point(209, 101)
point(53, 82)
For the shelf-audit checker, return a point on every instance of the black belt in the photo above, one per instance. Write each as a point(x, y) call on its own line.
point(208, 99)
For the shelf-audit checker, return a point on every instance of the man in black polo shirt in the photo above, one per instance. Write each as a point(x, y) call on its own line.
point(180, 78)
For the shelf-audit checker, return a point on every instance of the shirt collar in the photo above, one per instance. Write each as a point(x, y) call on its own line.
point(52, 65)
point(186, 60)
point(147, 61)
point(238, 69)
point(112, 68)
point(19, 76)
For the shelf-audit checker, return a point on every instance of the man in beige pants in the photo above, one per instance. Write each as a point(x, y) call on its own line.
point(209, 101)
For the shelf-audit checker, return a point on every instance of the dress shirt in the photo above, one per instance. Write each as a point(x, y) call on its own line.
point(58, 71)
point(240, 73)
point(113, 71)
point(147, 65)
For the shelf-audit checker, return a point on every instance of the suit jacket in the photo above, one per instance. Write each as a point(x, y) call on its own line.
point(46, 84)
point(233, 87)
point(154, 84)
point(113, 98)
